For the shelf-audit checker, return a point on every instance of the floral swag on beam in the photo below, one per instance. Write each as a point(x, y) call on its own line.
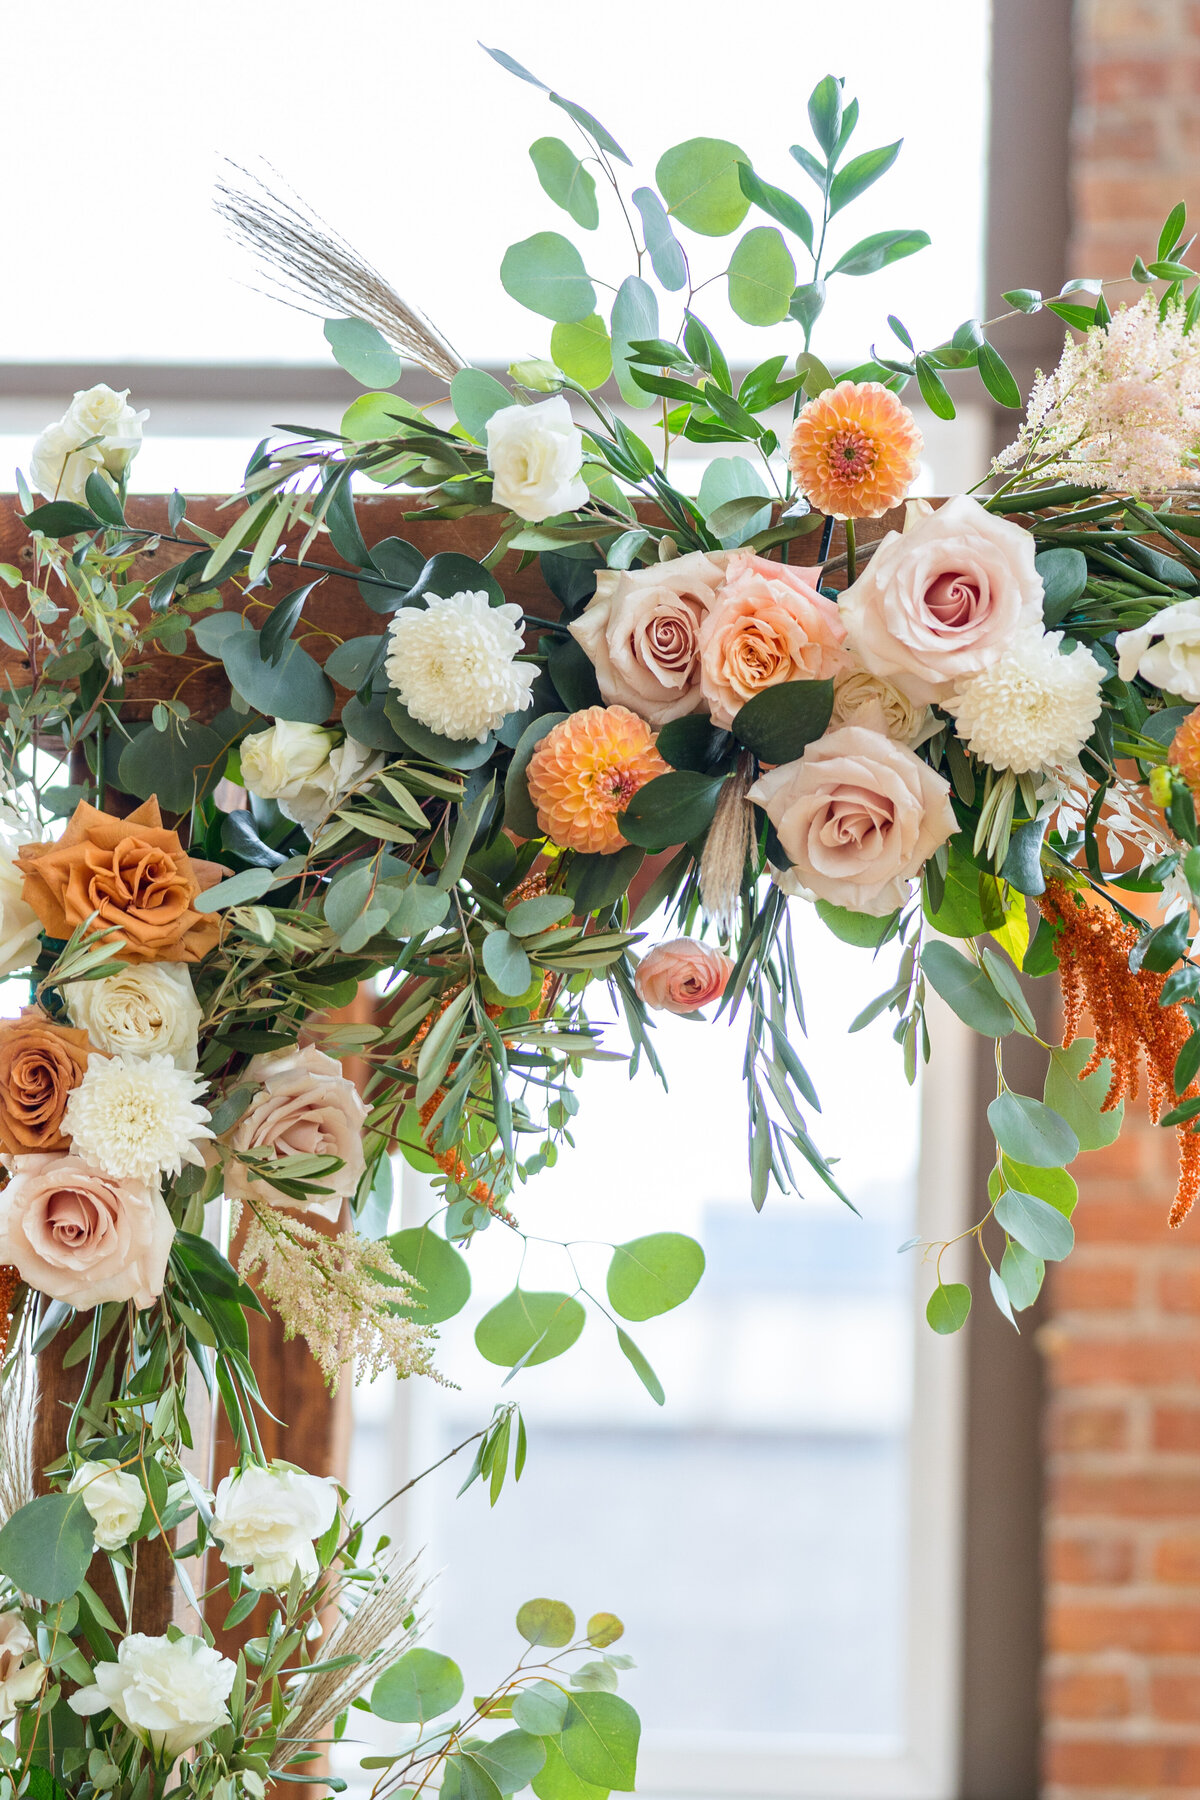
point(470, 762)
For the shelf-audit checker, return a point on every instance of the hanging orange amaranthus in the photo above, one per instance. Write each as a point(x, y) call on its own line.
point(10, 1287)
point(1092, 946)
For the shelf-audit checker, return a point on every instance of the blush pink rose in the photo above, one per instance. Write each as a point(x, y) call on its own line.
point(858, 817)
point(943, 599)
point(768, 624)
point(305, 1106)
point(680, 976)
point(642, 634)
point(83, 1237)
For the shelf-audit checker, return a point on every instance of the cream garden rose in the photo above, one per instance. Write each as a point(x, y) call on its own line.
point(535, 454)
point(114, 1500)
point(171, 1692)
point(267, 1520)
point(84, 1237)
point(304, 1107)
point(305, 769)
point(149, 1009)
point(1165, 651)
point(943, 599)
point(21, 1673)
point(59, 464)
point(859, 695)
point(858, 817)
point(20, 927)
point(641, 631)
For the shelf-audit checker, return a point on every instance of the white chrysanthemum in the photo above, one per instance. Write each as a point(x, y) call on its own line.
point(1033, 707)
point(137, 1117)
point(454, 664)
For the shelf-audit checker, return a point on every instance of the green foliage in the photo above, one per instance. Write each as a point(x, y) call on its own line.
point(443, 1274)
point(1080, 1102)
point(546, 1623)
point(1031, 1132)
point(546, 273)
point(634, 317)
point(699, 182)
point(565, 179)
point(671, 809)
point(364, 352)
point(47, 1545)
point(421, 1686)
point(650, 1275)
point(527, 1328)
point(1035, 1224)
point(475, 396)
point(583, 350)
point(600, 1740)
point(948, 1307)
point(762, 276)
point(781, 721)
point(967, 990)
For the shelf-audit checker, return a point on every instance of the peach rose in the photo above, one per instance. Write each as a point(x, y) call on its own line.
point(305, 1107)
point(83, 1237)
point(769, 624)
point(858, 817)
point(942, 599)
point(642, 633)
point(682, 975)
point(39, 1065)
point(132, 872)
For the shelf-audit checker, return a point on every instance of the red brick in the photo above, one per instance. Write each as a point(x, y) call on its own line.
point(1175, 1697)
point(1114, 1765)
point(1087, 1428)
point(1153, 1630)
point(1179, 1288)
point(1091, 1559)
point(1128, 1361)
point(1084, 1286)
point(1149, 1494)
point(1177, 1428)
point(1082, 1695)
point(1104, 1220)
point(1177, 1559)
point(1126, 78)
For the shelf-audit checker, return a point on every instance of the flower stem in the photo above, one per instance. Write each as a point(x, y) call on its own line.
point(851, 554)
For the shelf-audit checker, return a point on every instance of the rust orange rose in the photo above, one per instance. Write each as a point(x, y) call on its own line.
point(133, 873)
point(680, 976)
point(40, 1063)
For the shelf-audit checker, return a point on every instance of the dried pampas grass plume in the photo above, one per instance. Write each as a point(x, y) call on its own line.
point(314, 269)
point(723, 864)
point(375, 1627)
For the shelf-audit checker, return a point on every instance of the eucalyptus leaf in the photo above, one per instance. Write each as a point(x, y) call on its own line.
point(699, 181)
point(545, 272)
point(364, 352)
point(565, 179)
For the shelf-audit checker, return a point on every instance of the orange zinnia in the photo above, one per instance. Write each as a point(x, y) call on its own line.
point(586, 771)
point(854, 450)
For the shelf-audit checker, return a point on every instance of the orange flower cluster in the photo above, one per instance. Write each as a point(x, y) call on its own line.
point(1185, 750)
point(1092, 946)
point(10, 1287)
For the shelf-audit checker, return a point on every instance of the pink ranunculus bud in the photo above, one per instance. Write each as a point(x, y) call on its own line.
point(680, 976)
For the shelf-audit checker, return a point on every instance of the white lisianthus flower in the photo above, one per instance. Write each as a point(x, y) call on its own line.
point(1033, 708)
point(267, 1521)
point(114, 1500)
point(21, 1673)
point(535, 454)
point(454, 664)
point(149, 1009)
point(1165, 651)
point(137, 1117)
point(171, 1693)
point(304, 769)
point(59, 464)
point(20, 927)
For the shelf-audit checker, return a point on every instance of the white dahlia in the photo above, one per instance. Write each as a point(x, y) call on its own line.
point(137, 1117)
point(454, 664)
point(1033, 708)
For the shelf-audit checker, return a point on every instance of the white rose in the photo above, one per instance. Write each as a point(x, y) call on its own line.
point(535, 454)
point(100, 412)
point(20, 927)
point(58, 468)
point(311, 801)
point(270, 1518)
point(284, 758)
point(113, 1498)
point(149, 1009)
point(21, 1675)
point(1173, 662)
point(171, 1693)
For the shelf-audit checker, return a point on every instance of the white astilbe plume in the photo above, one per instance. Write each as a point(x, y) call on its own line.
point(375, 1632)
point(313, 268)
point(1121, 411)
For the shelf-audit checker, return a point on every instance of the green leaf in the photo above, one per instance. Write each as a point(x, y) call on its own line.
point(733, 478)
point(541, 1707)
point(1026, 300)
point(1172, 231)
point(528, 917)
point(825, 113)
point(239, 890)
point(451, 753)
point(997, 377)
point(864, 930)
point(293, 688)
point(348, 663)
point(948, 1306)
point(966, 990)
point(634, 317)
point(506, 963)
point(598, 882)
point(641, 1367)
point(761, 277)
point(933, 389)
point(512, 1759)
point(1054, 1185)
point(583, 350)
point(600, 1740)
point(1079, 1102)
point(529, 1328)
point(565, 179)
point(421, 1686)
point(545, 272)
point(699, 181)
point(177, 765)
point(970, 902)
point(467, 1779)
point(1003, 979)
point(782, 721)
point(666, 256)
point(103, 499)
point(671, 809)
point(875, 252)
point(861, 173)
point(444, 1276)
point(604, 1629)
point(475, 396)
point(60, 518)
point(548, 1624)
point(1031, 1132)
point(778, 204)
point(1040, 1227)
point(47, 1545)
point(1022, 1274)
point(520, 815)
point(573, 111)
point(650, 1275)
point(557, 1781)
point(364, 352)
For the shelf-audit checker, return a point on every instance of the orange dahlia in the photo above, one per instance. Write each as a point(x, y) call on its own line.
point(586, 771)
point(854, 450)
point(1185, 750)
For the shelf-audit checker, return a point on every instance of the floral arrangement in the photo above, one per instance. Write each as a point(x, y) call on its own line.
point(969, 735)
